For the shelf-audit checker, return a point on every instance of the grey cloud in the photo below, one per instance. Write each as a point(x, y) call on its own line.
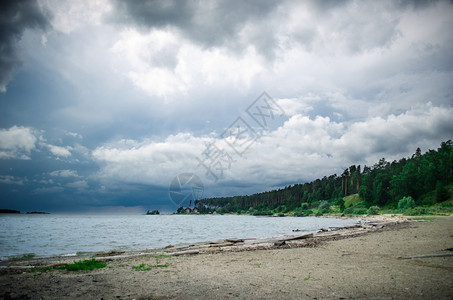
point(208, 23)
point(325, 5)
point(15, 17)
point(415, 4)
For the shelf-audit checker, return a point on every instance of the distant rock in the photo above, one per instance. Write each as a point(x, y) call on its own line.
point(37, 213)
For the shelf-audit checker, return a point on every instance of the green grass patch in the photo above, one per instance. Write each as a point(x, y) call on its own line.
point(83, 265)
point(148, 267)
point(352, 200)
point(144, 267)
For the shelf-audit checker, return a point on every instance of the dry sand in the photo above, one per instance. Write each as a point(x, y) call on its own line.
point(369, 264)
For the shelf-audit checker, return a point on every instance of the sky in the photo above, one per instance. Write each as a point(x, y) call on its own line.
point(123, 106)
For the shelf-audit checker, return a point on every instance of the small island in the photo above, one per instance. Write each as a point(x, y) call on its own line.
point(153, 212)
point(9, 211)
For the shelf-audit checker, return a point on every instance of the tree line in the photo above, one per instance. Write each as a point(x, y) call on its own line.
point(383, 185)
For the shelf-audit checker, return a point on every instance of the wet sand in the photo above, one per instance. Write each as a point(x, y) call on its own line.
point(369, 262)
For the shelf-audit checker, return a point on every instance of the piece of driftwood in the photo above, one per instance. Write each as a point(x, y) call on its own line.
point(16, 267)
point(110, 253)
point(299, 237)
point(221, 245)
point(188, 252)
point(279, 243)
point(428, 256)
point(234, 240)
point(345, 227)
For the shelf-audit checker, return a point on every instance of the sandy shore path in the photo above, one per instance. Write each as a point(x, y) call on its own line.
point(367, 266)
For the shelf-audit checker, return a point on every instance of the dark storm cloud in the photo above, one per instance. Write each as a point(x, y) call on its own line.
point(416, 4)
point(325, 5)
point(15, 17)
point(209, 23)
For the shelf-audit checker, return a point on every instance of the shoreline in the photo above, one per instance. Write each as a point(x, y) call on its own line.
point(365, 224)
point(87, 250)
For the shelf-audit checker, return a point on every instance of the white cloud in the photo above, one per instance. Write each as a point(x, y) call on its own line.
point(311, 148)
point(165, 65)
point(79, 184)
point(148, 162)
point(294, 106)
point(74, 134)
point(17, 142)
point(58, 150)
point(64, 173)
point(302, 149)
point(7, 179)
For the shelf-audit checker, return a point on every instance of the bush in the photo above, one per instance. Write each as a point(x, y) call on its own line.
point(308, 212)
point(304, 206)
point(348, 211)
point(356, 210)
point(282, 208)
point(360, 211)
point(340, 203)
point(405, 203)
point(416, 211)
point(262, 213)
point(373, 210)
point(324, 207)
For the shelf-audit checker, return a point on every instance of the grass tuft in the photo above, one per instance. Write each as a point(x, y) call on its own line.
point(83, 265)
point(144, 267)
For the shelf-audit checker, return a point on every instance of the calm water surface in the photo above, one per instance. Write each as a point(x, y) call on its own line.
point(46, 235)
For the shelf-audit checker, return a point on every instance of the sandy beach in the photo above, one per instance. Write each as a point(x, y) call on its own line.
point(401, 260)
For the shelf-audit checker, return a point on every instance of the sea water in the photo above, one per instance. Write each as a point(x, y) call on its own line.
point(47, 235)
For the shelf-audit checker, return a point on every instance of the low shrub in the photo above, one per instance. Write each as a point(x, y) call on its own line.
point(323, 208)
point(356, 210)
point(360, 211)
point(373, 210)
point(416, 211)
point(306, 212)
point(406, 202)
point(262, 213)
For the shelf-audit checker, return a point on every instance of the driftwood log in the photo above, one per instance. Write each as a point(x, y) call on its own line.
point(299, 237)
point(427, 256)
